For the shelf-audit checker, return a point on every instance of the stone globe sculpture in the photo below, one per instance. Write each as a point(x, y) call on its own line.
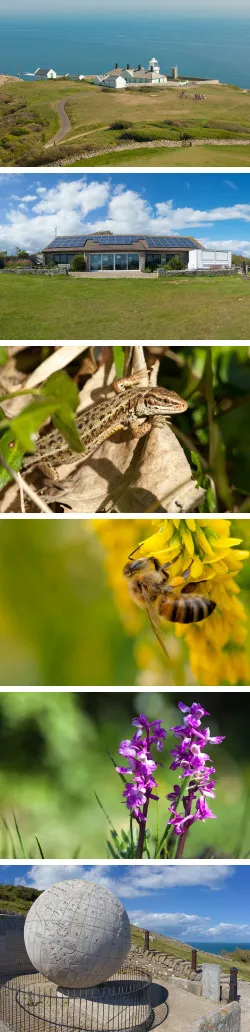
point(77, 934)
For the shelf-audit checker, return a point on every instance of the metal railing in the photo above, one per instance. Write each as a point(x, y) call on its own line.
point(30, 1003)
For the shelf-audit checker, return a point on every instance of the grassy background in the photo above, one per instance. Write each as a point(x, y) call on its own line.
point(28, 117)
point(169, 156)
point(64, 308)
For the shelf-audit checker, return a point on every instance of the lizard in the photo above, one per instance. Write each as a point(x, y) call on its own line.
point(131, 406)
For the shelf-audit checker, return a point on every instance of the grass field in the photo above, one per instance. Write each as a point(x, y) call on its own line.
point(61, 308)
point(29, 119)
point(172, 156)
point(182, 951)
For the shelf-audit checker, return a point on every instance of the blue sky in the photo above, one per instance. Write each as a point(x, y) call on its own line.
point(213, 207)
point(205, 902)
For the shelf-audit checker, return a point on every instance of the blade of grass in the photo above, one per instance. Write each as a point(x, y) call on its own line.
point(105, 812)
point(118, 359)
point(10, 836)
point(19, 836)
point(40, 848)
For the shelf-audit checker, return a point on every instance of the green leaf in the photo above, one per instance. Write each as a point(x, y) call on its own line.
point(118, 359)
point(12, 452)
point(67, 426)
point(3, 355)
point(26, 424)
point(63, 393)
point(62, 390)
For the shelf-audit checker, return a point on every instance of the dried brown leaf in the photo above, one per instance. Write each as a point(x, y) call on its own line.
point(129, 475)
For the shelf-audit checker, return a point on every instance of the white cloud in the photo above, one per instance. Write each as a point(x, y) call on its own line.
point(29, 197)
point(184, 926)
point(41, 876)
point(135, 881)
point(71, 207)
point(229, 182)
point(237, 246)
point(142, 881)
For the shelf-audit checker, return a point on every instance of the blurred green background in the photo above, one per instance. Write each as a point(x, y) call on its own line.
point(54, 755)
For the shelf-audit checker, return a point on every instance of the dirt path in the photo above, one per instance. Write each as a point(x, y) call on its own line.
point(65, 123)
point(101, 128)
point(244, 995)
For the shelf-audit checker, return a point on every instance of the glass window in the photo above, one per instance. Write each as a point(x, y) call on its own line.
point(95, 262)
point(107, 261)
point(134, 261)
point(121, 261)
point(153, 259)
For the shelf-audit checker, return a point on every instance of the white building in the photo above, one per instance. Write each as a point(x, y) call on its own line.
point(45, 73)
point(204, 259)
point(119, 78)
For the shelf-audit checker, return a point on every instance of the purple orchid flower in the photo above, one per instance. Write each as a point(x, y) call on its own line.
point(193, 763)
point(141, 764)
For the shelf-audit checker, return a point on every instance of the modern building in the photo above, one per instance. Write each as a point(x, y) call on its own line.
point(105, 252)
point(119, 78)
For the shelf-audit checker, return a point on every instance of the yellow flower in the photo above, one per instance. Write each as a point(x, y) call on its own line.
point(209, 554)
point(206, 549)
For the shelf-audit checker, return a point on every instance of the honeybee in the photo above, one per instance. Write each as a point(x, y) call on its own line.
point(150, 588)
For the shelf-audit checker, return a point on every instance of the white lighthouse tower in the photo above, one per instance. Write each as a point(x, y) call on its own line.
point(154, 66)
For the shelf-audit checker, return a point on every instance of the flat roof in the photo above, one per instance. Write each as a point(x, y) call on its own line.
point(112, 241)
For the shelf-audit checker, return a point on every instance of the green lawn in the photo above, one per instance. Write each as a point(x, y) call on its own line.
point(208, 155)
point(61, 308)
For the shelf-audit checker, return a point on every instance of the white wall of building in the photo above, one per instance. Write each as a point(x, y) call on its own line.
point(204, 259)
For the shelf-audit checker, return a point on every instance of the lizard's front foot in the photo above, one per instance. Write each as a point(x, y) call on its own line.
point(139, 429)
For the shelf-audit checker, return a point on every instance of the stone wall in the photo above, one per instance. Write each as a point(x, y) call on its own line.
point(227, 1019)
point(13, 956)
point(164, 963)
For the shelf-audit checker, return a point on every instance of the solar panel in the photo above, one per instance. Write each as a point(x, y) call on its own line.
point(120, 240)
point(176, 241)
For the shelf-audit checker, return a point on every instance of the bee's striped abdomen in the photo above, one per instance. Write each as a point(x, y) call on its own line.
point(186, 609)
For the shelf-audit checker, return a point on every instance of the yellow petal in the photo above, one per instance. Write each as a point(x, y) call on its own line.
point(196, 568)
point(188, 541)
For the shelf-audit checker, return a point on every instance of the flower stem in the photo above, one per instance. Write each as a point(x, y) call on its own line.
point(142, 830)
point(169, 827)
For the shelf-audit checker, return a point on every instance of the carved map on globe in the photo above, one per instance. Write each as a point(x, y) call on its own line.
point(77, 934)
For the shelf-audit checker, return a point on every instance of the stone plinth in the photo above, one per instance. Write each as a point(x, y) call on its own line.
point(211, 982)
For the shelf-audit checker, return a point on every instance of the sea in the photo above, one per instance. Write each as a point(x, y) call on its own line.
point(206, 46)
point(217, 947)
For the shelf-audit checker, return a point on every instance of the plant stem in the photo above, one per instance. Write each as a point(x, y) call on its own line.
point(21, 483)
point(18, 394)
point(169, 828)
point(181, 841)
point(142, 829)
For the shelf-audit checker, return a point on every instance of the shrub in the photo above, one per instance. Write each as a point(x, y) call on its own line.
point(2, 262)
point(78, 263)
point(120, 125)
point(174, 263)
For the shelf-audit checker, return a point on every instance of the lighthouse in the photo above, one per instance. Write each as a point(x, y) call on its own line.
point(154, 66)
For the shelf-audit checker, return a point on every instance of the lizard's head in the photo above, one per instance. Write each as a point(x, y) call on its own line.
point(160, 401)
